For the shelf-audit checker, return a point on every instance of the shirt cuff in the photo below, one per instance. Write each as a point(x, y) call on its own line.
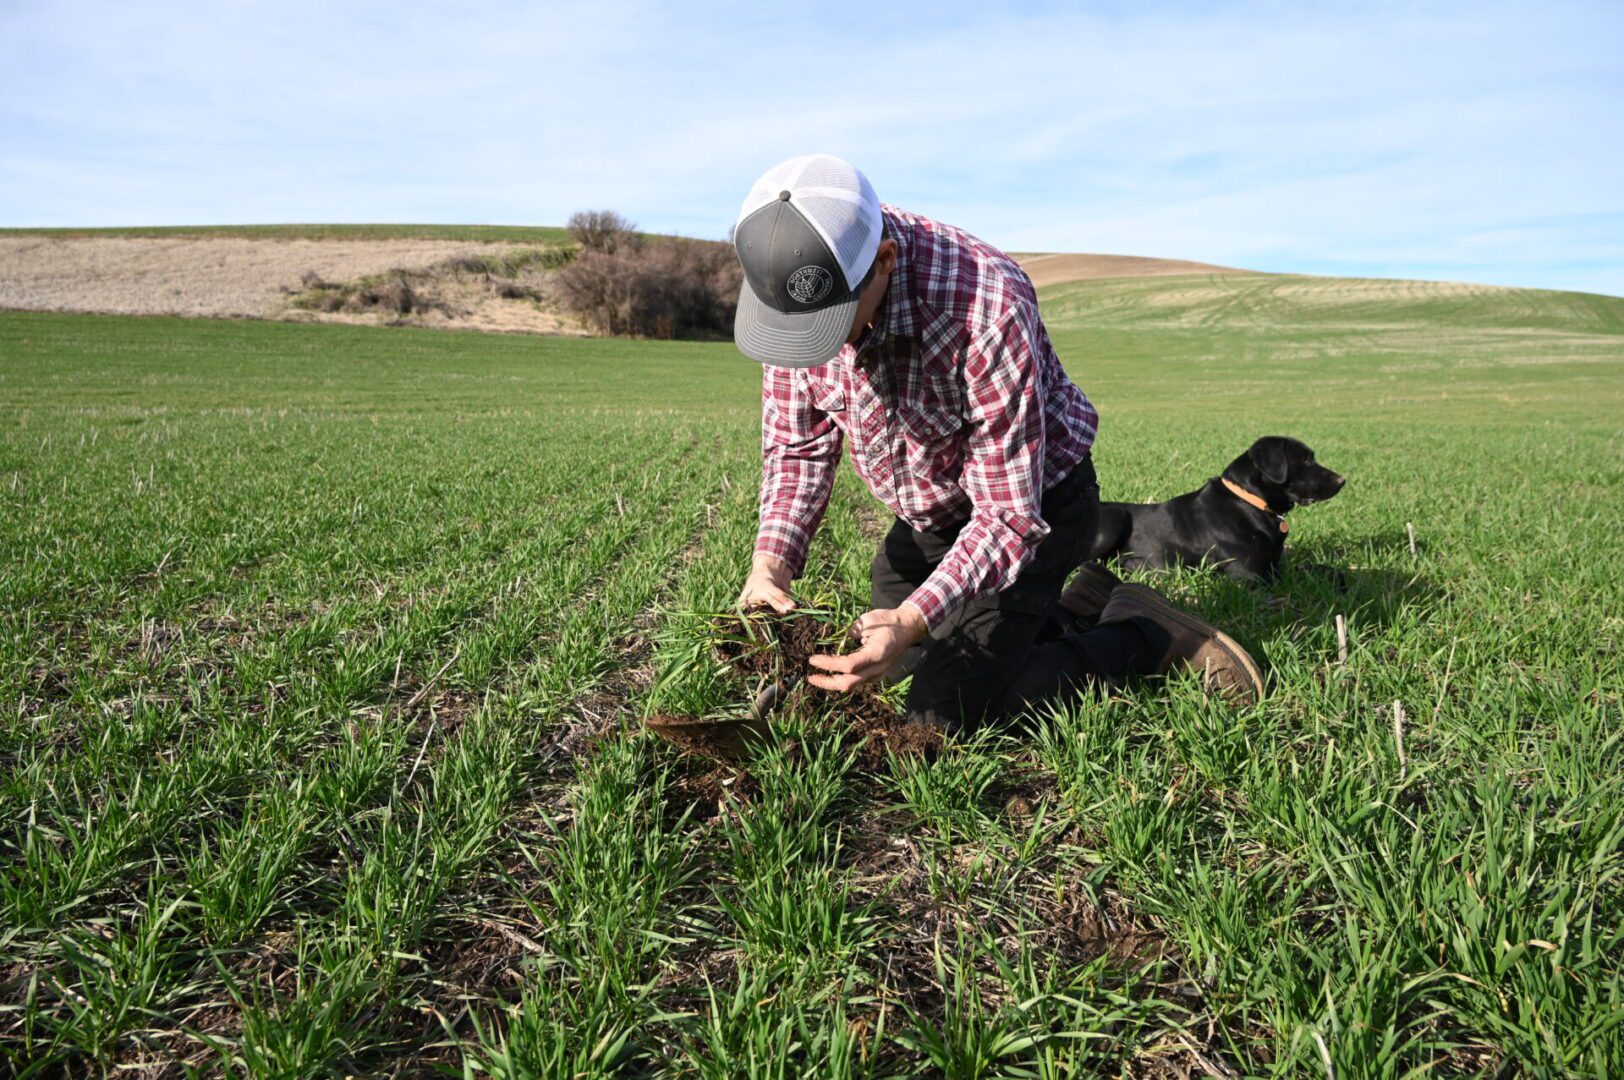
point(784, 544)
point(936, 600)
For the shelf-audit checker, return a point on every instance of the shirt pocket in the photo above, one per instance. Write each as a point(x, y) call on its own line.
point(828, 399)
point(923, 425)
point(933, 413)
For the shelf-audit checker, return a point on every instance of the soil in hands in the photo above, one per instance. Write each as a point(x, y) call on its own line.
point(773, 648)
point(795, 638)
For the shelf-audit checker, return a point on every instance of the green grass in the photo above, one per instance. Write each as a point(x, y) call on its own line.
point(518, 234)
point(323, 652)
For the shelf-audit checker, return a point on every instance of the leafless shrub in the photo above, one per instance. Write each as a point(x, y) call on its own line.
point(321, 295)
point(603, 231)
point(664, 289)
point(398, 293)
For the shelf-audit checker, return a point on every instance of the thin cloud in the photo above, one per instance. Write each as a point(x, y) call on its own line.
point(1481, 139)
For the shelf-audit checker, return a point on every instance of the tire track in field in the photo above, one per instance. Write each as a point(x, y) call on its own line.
point(1242, 304)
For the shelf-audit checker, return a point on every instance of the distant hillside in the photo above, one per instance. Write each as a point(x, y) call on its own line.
point(1263, 302)
point(497, 277)
point(1241, 342)
point(485, 277)
point(485, 234)
point(1057, 268)
point(451, 283)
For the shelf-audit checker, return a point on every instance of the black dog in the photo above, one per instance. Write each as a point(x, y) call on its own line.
point(1236, 521)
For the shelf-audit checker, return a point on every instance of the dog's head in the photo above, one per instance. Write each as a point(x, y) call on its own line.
point(1285, 473)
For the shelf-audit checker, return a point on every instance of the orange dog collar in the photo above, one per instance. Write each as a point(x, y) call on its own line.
point(1253, 499)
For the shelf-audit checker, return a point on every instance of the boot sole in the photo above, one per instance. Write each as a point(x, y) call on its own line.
point(1152, 599)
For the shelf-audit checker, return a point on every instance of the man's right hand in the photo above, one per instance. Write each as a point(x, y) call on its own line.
point(767, 585)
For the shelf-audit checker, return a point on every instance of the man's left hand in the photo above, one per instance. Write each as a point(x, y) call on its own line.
point(885, 635)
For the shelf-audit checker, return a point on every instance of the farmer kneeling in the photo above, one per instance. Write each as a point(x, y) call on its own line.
point(922, 346)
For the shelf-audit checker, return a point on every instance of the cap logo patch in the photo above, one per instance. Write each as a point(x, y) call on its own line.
point(810, 284)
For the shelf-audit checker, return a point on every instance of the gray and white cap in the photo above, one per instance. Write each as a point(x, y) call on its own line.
point(806, 235)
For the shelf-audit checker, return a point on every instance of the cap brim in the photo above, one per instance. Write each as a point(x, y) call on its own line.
point(770, 336)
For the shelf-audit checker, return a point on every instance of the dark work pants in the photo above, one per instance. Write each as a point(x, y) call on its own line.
point(1004, 652)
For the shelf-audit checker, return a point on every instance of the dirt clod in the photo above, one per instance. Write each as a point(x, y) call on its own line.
point(775, 648)
point(781, 646)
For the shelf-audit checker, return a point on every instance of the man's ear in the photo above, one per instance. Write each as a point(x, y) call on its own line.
point(1269, 455)
point(885, 257)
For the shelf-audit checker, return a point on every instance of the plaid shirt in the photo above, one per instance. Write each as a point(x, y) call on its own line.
point(954, 405)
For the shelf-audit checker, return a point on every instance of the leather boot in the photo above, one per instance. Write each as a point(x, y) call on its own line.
point(1226, 669)
point(1087, 594)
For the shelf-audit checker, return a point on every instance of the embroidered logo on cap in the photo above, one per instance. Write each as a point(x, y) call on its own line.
point(810, 284)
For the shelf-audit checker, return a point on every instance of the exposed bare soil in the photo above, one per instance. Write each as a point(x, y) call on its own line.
point(1059, 268)
point(233, 277)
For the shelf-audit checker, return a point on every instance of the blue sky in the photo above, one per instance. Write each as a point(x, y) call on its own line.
point(1468, 141)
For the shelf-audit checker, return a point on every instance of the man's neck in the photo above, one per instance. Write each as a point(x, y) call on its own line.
point(867, 345)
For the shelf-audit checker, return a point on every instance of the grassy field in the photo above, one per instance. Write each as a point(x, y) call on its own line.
point(517, 234)
point(323, 652)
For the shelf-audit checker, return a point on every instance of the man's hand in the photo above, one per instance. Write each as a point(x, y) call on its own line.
point(767, 585)
point(885, 635)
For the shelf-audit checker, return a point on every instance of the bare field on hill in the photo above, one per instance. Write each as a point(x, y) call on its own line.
point(193, 276)
point(1058, 268)
point(231, 277)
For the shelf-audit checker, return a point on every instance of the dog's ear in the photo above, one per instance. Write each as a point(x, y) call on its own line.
point(1269, 455)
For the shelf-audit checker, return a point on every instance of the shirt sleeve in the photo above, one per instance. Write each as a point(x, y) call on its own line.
point(800, 449)
point(1002, 475)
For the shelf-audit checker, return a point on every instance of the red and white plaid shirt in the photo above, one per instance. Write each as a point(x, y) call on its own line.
point(955, 407)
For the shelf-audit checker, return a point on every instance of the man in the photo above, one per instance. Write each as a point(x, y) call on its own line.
point(922, 347)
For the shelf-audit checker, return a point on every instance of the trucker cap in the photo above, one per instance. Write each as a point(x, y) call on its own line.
point(806, 236)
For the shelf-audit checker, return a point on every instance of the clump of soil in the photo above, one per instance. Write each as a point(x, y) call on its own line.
point(775, 648)
point(788, 642)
